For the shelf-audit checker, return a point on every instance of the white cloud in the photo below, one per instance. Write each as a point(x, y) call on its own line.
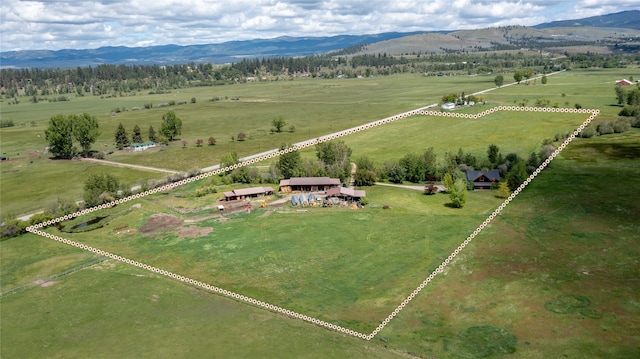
point(57, 24)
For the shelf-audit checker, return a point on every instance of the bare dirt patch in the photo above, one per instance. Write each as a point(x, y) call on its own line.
point(161, 222)
point(48, 284)
point(193, 231)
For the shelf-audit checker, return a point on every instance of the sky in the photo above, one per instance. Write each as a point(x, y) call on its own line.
point(86, 24)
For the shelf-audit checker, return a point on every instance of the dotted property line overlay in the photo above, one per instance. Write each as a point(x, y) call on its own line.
point(36, 228)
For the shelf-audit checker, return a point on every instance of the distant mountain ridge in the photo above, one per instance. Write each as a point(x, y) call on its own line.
point(624, 19)
point(593, 29)
point(226, 52)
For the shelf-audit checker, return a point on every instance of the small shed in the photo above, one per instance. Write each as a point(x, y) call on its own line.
point(448, 106)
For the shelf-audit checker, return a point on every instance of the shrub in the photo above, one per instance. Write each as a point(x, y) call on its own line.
point(212, 141)
point(605, 128)
point(628, 111)
point(6, 123)
point(588, 132)
point(621, 125)
point(241, 136)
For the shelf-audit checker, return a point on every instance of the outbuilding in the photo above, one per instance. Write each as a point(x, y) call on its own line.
point(244, 193)
point(308, 184)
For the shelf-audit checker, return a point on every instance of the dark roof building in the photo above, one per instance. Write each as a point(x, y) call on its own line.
point(243, 193)
point(308, 184)
point(346, 193)
point(483, 179)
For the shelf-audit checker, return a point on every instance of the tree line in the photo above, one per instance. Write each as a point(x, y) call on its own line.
point(122, 80)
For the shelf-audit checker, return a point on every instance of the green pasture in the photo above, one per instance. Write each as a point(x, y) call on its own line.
point(35, 183)
point(555, 275)
point(314, 106)
point(565, 237)
point(558, 268)
point(115, 311)
point(517, 132)
point(344, 266)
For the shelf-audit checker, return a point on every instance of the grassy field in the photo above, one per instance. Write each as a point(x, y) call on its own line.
point(315, 107)
point(558, 269)
point(554, 276)
point(347, 267)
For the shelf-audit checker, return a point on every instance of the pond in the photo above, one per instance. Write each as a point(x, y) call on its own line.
point(88, 223)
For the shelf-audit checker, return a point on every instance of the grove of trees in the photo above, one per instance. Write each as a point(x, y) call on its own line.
point(63, 130)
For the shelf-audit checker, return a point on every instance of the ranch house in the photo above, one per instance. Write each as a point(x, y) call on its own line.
point(142, 146)
point(483, 179)
point(308, 184)
point(244, 193)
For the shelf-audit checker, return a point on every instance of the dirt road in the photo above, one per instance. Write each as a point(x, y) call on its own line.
point(138, 167)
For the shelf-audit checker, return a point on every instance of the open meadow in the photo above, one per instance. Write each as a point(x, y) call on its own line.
point(313, 106)
point(555, 275)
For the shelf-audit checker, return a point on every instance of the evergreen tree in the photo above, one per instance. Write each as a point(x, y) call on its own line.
point(152, 134)
point(137, 136)
point(122, 140)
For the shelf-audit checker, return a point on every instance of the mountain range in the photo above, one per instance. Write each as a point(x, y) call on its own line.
point(609, 32)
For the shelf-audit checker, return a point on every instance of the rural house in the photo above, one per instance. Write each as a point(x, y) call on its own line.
point(483, 179)
point(624, 82)
point(244, 193)
point(308, 184)
point(142, 146)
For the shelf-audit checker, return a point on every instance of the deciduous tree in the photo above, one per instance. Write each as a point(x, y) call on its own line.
point(85, 130)
point(458, 194)
point(59, 135)
point(100, 188)
point(289, 164)
point(518, 75)
point(335, 158)
point(278, 123)
point(499, 80)
point(494, 153)
point(171, 126)
point(366, 174)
